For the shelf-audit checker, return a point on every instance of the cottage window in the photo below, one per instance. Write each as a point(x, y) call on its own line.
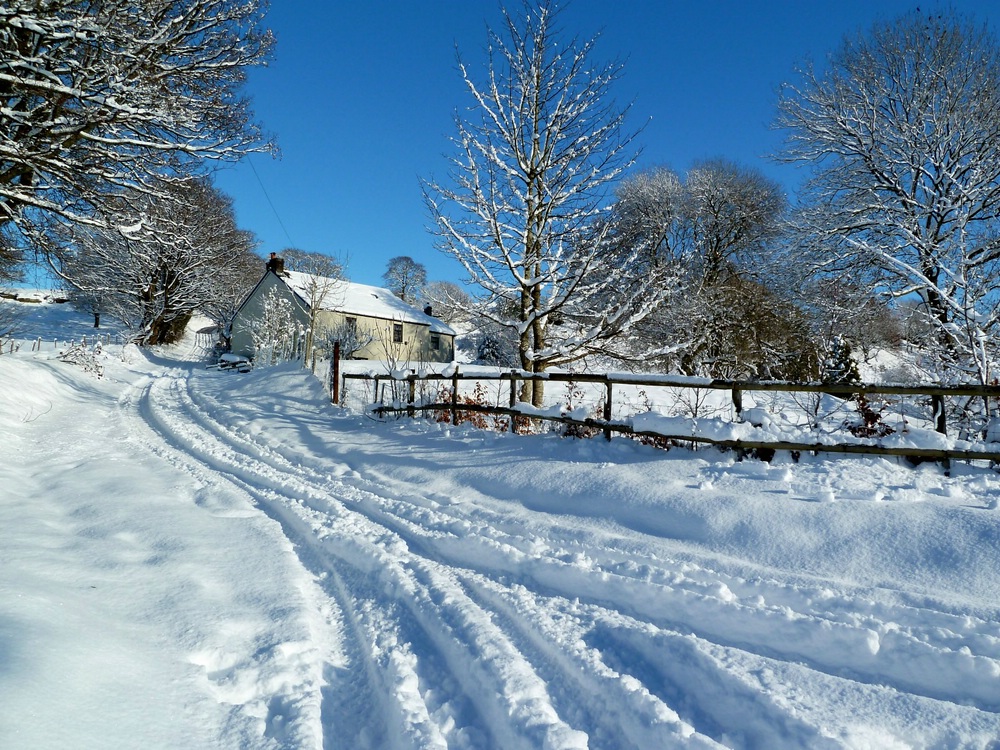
point(352, 324)
point(397, 333)
point(435, 341)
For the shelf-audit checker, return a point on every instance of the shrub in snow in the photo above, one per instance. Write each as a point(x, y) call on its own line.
point(85, 357)
point(840, 365)
point(479, 397)
point(655, 441)
point(868, 421)
point(574, 410)
point(493, 344)
point(273, 333)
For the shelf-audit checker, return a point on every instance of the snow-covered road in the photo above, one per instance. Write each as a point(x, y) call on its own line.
point(302, 577)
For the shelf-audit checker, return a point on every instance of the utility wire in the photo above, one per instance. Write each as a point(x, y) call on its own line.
point(269, 202)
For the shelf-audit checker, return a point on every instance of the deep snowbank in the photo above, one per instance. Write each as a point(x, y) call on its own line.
point(193, 558)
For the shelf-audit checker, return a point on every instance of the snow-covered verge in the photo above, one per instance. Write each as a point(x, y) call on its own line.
point(205, 559)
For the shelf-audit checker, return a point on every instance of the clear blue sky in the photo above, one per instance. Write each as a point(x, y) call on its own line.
point(361, 97)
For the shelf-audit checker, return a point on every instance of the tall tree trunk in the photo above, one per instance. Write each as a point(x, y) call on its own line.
point(538, 343)
point(524, 345)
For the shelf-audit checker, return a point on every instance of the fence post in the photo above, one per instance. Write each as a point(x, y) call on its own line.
point(334, 373)
point(738, 402)
point(607, 411)
point(411, 392)
point(454, 396)
point(513, 400)
point(940, 418)
point(941, 425)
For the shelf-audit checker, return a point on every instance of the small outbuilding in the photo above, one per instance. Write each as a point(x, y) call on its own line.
point(383, 326)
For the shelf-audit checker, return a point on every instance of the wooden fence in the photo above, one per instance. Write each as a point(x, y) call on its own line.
point(936, 394)
point(38, 344)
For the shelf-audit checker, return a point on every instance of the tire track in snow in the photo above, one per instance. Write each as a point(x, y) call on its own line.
point(355, 709)
point(554, 633)
point(892, 644)
point(377, 705)
point(428, 536)
point(509, 697)
point(295, 714)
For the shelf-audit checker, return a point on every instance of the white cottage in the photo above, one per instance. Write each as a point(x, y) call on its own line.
point(389, 328)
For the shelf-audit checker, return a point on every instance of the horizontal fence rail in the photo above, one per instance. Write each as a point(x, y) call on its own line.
point(681, 381)
point(934, 392)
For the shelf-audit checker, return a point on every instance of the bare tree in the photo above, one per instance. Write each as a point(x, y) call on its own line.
point(709, 235)
point(97, 98)
point(232, 280)
point(347, 334)
point(732, 213)
point(93, 302)
point(648, 214)
point(528, 183)
point(321, 284)
point(448, 301)
point(840, 307)
point(718, 217)
point(11, 320)
point(405, 277)
point(314, 264)
point(153, 275)
point(274, 333)
point(902, 128)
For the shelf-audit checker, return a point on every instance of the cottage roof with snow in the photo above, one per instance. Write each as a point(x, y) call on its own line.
point(350, 298)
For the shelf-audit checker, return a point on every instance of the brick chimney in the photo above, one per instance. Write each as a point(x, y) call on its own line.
point(276, 265)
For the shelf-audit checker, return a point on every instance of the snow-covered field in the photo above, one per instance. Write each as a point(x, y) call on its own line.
point(200, 559)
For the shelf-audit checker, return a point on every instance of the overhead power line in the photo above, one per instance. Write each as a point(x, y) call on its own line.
point(270, 202)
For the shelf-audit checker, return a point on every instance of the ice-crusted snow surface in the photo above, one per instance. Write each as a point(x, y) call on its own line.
point(200, 559)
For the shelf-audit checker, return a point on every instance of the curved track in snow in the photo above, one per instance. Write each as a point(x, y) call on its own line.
point(467, 619)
